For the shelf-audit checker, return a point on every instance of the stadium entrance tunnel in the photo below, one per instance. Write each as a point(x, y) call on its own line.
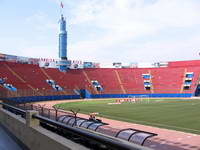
point(85, 94)
point(197, 91)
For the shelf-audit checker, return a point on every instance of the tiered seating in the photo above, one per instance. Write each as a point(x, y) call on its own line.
point(31, 74)
point(107, 78)
point(140, 81)
point(132, 80)
point(11, 78)
point(167, 80)
point(73, 79)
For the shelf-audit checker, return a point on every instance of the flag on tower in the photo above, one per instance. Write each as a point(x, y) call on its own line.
point(61, 4)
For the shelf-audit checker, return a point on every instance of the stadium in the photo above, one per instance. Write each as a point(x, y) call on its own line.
point(70, 104)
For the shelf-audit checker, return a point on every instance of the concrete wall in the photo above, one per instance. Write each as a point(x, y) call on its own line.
point(34, 136)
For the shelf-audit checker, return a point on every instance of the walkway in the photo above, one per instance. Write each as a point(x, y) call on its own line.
point(6, 142)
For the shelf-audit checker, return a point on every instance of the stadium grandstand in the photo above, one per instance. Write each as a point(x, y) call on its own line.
point(25, 82)
point(34, 80)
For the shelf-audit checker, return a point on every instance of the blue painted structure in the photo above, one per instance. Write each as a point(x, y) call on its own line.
point(63, 39)
point(142, 95)
point(42, 98)
point(85, 94)
point(10, 87)
point(197, 90)
point(63, 63)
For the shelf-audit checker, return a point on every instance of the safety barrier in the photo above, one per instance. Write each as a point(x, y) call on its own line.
point(89, 137)
point(14, 110)
point(85, 137)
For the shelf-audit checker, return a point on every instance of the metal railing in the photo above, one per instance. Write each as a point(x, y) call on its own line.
point(91, 138)
point(51, 113)
point(84, 137)
point(14, 110)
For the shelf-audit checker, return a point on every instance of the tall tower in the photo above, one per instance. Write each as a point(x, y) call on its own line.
point(62, 39)
point(63, 63)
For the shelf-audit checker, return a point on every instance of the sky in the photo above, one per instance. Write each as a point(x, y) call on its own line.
point(103, 30)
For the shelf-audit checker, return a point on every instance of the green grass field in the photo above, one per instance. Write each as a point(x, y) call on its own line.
point(176, 114)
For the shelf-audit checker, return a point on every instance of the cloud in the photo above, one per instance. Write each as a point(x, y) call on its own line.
point(115, 30)
point(134, 16)
point(125, 22)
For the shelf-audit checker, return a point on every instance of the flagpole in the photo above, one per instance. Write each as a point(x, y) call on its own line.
point(61, 7)
point(60, 10)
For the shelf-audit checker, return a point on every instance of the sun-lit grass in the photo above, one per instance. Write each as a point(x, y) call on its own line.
point(182, 115)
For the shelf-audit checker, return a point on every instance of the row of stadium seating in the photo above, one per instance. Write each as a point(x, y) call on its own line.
point(166, 80)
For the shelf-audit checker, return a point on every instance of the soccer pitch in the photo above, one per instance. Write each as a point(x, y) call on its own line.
point(176, 114)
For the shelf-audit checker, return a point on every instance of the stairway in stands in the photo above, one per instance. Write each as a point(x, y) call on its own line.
point(50, 78)
point(120, 82)
point(91, 88)
point(152, 86)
